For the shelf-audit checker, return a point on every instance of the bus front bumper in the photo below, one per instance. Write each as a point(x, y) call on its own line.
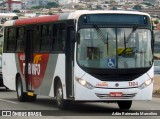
point(107, 94)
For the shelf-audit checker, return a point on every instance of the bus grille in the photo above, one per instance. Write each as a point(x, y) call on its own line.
point(107, 96)
point(117, 77)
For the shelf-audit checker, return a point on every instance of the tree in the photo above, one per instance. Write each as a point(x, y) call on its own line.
point(48, 6)
point(114, 8)
point(16, 11)
point(38, 7)
point(156, 21)
point(52, 4)
point(137, 7)
point(99, 7)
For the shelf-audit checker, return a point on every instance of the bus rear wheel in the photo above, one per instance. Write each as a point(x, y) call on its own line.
point(21, 95)
point(124, 104)
point(61, 103)
point(19, 88)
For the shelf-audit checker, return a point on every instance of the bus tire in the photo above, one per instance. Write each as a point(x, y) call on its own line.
point(19, 88)
point(61, 103)
point(124, 104)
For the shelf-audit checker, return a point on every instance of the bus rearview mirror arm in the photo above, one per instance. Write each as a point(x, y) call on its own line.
point(78, 38)
point(72, 36)
point(152, 41)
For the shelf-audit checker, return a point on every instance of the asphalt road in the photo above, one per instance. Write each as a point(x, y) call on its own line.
point(8, 101)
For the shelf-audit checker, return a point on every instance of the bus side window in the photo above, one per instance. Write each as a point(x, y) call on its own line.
point(20, 39)
point(36, 39)
point(55, 36)
point(5, 39)
point(58, 43)
point(46, 38)
point(11, 40)
point(61, 36)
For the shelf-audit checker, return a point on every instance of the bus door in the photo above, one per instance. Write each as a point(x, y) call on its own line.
point(70, 41)
point(29, 60)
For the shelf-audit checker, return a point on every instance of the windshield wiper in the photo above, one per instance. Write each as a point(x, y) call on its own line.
point(101, 35)
point(127, 39)
point(132, 32)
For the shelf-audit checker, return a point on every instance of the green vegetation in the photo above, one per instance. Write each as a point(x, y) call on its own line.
point(53, 4)
point(48, 6)
point(137, 7)
point(16, 11)
point(156, 21)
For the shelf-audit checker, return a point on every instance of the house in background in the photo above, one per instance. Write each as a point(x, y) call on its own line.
point(13, 4)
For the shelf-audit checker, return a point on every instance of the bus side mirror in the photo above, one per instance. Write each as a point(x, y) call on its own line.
point(152, 41)
point(158, 26)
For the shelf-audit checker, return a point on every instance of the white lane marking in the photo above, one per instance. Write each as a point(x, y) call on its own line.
point(8, 101)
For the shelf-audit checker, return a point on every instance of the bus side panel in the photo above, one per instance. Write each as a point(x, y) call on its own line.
point(9, 70)
point(20, 63)
point(48, 76)
point(59, 72)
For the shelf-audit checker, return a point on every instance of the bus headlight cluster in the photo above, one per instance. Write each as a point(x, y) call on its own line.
point(145, 84)
point(84, 83)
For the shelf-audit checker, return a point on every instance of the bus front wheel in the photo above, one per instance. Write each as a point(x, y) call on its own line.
point(61, 103)
point(124, 104)
point(19, 88)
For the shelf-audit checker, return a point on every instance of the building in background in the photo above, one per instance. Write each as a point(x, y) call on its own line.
point(31, 3)
point(67, 1)
point(13, 4)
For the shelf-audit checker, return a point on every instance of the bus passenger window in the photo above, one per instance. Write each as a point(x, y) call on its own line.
point(20, 39)
point(36, 39)
point(58, 38)
point(61, 36)
point(55, 34)
point(11, 41)
point(46, 38)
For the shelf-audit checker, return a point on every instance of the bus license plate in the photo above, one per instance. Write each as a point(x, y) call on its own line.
point(116, 94)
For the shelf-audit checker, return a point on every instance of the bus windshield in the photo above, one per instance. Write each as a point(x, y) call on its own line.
point(118, 48)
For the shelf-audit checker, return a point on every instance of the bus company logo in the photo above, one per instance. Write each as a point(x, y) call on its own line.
point(102, 84)
point(36, 68)
point(22, 57)
point(37, 58)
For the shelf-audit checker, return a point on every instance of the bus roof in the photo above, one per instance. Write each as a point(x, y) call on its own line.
point(63, 16)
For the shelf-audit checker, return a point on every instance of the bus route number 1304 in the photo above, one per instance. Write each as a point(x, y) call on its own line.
point(133, 84)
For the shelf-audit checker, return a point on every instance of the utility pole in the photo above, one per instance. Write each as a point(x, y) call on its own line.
point(9, 4)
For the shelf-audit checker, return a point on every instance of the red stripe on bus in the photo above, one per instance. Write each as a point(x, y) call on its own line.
point(36, 68)
point(37, 20)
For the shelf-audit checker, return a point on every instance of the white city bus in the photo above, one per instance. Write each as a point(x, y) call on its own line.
point(99, 56)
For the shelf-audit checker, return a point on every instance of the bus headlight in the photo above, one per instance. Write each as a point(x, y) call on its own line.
point(145, 84)
point(84, 83)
